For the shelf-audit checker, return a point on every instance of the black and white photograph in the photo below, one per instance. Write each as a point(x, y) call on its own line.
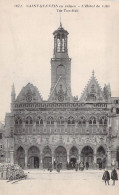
point(59, 97)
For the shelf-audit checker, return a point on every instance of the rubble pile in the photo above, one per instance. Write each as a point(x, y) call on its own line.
point(11, 171)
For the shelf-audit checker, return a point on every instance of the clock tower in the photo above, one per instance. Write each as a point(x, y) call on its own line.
point(61, 63)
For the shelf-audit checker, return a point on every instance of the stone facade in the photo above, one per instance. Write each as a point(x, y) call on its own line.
point(63, 128)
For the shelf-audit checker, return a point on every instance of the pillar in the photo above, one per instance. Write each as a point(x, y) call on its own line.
point(12, 157)
point(108, 158)
point(68, 156)
point(79, 156)
point(41, 161)
point(26, 159)
point(95, 158)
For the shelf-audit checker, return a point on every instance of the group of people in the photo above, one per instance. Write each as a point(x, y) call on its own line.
point(77, 166)
point(106, 176)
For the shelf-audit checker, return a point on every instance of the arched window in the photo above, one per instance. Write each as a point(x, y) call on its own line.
point(71, 120)
point(18, 121)
point(103, 120)
point(92, 121)
point(50, 121)
point(60, 70)
point(82, 121)
point(39, 121)
point(60, 120)
point(29, 120)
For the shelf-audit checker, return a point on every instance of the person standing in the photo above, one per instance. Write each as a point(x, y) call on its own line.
point(87, 165)
point(106, 176)
point(114, 175)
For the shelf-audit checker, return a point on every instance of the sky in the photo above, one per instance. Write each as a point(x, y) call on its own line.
point(26, 45)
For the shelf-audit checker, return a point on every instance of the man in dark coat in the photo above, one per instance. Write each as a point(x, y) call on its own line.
point(114, 175)
point(87, 165)
point(106, 177)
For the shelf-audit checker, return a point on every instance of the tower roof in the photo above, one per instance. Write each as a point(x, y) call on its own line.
point(60, 29)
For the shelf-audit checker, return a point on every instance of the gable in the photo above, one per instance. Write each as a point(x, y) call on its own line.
point(92, 92)
point(60, 92)
point(29, 93)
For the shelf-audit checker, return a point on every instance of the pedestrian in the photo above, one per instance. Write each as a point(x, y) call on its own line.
point(76, 166)
point(106, 176)
point(114, 175)
point(87, 165)
point(81, 166)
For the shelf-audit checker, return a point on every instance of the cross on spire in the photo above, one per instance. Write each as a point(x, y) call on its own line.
point(93, 73)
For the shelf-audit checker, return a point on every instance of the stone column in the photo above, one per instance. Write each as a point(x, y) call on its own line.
point(41, 161)
point(53, 160)
point(95, 159)
point(108, 158)
point(12, 157)
point(79, 156)
point(68, 156)
point(26, 159)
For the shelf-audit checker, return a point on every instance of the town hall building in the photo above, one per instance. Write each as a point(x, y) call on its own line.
point(64, 128)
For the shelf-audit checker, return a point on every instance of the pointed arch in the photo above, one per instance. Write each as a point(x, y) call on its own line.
point(29, 120)
point(20, 156)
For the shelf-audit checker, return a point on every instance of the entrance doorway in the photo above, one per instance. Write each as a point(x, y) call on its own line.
point(33, 162)
point(33, 157)
point(46, 162)
point(73, 157)
point(72, 163)
point(20, 153)
point(47, 157)
point(87, 155)
point(101, 157)
point(61, 156)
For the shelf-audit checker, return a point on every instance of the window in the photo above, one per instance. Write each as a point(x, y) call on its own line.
point(58, 43)
point(103, 121)
point(29, 120)
point(50, 121)
point(18, 121)
point(92, 121)
point(39, 121)
point(71, 120)
point(60, 120)
point(82, 121)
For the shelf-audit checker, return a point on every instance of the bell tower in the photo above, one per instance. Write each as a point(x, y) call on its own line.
point(61, 63)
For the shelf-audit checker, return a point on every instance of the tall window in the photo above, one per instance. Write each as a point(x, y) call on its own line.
point(50, 121)
point(60, 120)
point(62, 43)
point(92, 121)
point(71, 120)
point(82, 121)
point(39, 121)
point(103, 120)
point(58, 43)
point(18, 121)
point(29, 120)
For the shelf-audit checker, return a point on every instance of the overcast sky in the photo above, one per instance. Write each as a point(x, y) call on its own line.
point(26, 46)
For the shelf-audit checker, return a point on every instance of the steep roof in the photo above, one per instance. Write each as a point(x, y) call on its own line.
point(29, 93)
point(92, 92)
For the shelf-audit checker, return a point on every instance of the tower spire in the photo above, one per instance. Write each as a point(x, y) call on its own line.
point(13, 94)
point(60, 21)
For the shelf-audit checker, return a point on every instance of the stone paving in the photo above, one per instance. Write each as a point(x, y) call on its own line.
point(87, 182)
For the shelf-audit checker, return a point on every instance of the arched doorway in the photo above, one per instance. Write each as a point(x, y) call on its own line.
point(33, 157)
point(87, 155)
point(101, 157)
point(117, 157)
point(47, 157)
point(61, 156)
point(20, 155)
point(73, 155)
